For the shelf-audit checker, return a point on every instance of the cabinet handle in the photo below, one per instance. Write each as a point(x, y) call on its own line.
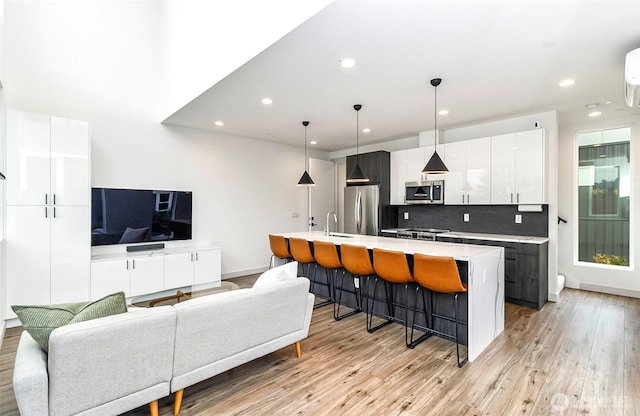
point(463, 198)
point(511, 197)
point(467, 198)
point(54, 199)
point(133, 263)
point(518, 197)
point(54, 212)
point(46, 199)
point(127, 264)
point(192, 257)
point(196, 256)
point(46, 212)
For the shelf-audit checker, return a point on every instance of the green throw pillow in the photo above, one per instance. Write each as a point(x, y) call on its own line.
point(40, 320)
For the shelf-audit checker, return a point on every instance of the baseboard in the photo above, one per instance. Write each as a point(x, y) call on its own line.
point(240, 273)
point(610, 290)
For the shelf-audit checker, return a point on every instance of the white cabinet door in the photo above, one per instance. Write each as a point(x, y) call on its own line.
point(529, 175)
point(398, 175)
point(454, 183)
point(178, 270)
point(416, 159)
point(109, 277)
point(70, 253)
point(69, 162)
point(27, 256)
point(28, 158)
point(147, 274)
point(503, 168)
point(207, 266)
point(478, 171)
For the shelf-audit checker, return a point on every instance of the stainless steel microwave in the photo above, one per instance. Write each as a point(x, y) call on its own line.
point(424, 192)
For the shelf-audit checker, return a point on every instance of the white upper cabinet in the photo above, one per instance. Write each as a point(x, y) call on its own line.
point(468, 180)
point(69, 161)
point(49, 163)
point(398, 175)
point(28, 158)
point(517, 168)
point(406, 166)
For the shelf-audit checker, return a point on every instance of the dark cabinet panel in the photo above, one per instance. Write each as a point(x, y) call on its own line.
point(526, 279)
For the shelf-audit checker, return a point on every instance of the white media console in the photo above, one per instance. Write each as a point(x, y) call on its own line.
point(143, 272)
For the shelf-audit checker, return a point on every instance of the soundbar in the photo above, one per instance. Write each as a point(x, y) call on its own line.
point(146, 247)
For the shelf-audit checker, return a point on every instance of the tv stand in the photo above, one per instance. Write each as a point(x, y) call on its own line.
point(143, 272)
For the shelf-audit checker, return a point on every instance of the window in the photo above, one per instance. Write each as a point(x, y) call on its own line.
point(604, 191)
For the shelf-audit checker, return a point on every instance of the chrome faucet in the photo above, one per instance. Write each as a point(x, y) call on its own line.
point(335, 219)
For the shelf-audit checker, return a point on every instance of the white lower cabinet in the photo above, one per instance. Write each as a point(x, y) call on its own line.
point(139, 274)
point(196, 267)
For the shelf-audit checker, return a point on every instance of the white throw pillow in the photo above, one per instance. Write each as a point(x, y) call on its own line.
point(287, 271)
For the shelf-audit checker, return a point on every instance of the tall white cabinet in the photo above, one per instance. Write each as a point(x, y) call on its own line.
point(47, 210)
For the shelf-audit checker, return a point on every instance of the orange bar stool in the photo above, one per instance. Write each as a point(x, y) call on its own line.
point(439, 275)
point(301, 252)
point(327, 256)
point(279, 249)
point(357, 261)
point(393, 268)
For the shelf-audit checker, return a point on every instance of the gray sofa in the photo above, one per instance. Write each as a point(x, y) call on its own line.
point(110, 365)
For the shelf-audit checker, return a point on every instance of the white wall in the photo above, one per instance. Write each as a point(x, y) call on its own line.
point(207, 40)
point(624, 281)
point(101, 61)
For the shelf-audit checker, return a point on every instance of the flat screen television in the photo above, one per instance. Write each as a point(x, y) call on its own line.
point(125, 216)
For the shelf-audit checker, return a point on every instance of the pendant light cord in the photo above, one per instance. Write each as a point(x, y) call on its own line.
point(435, 118)
point(306, 160)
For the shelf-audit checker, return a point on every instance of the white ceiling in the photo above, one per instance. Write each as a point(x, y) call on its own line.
point(497, 59)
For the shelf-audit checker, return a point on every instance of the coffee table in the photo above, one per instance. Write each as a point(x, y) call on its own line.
point(171, 297)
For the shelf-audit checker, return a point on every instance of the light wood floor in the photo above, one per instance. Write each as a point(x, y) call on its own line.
point(578, 356)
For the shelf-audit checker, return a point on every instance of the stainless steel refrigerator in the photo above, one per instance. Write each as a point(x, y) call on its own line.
point(362, 209)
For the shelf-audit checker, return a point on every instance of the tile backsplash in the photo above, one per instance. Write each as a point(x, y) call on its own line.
point(492, 219)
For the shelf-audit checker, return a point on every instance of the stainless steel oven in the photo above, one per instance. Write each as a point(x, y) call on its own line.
point(424, 192)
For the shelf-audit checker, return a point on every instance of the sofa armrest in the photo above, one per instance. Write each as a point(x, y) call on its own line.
point(30, 378)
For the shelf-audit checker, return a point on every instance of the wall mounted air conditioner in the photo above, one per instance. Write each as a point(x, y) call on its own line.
point(632, 78)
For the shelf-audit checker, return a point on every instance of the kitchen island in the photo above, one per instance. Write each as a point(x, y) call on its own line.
point(481, 267)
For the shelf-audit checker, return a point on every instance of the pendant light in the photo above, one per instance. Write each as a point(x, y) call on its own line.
point(435, 165)
point(305, 179)
point(357, 175)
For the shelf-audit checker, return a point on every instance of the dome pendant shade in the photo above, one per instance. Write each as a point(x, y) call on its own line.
point(357, 175)
point(435, 165)
point(305, 180)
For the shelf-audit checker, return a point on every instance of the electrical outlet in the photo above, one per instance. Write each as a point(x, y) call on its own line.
point(465, 217)
point(406, 215)
point(518, 219)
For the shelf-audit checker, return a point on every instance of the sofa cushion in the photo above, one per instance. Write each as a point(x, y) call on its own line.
point(287, 271)
point(40, 320)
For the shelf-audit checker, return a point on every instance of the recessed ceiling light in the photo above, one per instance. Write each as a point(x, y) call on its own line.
point(567, 82)
point(267, 100)
point(608, 102)
point(219, 123)
point(367, 130)
point(443, 112)
point(592, 105)
point(313, 142)
point(549, 43)
point(347, 63)
point(594, 113)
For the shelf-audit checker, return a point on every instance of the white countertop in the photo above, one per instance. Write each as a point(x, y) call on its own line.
point(497, 237)
point(457, 251)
